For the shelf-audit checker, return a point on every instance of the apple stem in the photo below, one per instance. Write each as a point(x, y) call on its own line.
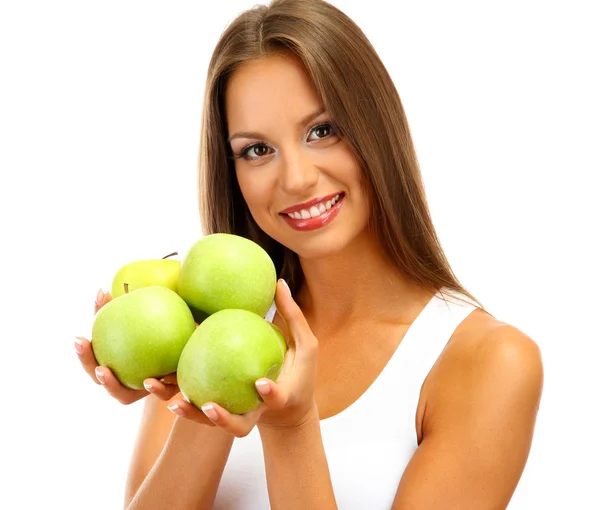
point(126, 287)
point(170, 255)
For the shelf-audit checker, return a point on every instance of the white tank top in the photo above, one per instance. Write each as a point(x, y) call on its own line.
point(366, 458)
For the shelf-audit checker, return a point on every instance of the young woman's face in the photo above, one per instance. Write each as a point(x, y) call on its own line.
point(300, 180)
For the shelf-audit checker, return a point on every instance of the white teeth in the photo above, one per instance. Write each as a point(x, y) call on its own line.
point(315, 210)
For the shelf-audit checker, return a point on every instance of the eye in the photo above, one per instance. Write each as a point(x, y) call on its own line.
point(260, 150)
point(325, 127)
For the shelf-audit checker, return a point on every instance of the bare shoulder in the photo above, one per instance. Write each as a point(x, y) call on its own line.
point(475, 428)
point(487, 362)
point(482, 339)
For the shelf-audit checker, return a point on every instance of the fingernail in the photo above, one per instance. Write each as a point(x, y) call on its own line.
point(174, 408)
point(99, 297)
point(99, 375)
point(286, 286)
point(148, 387)
point(263, 387)
point(78, 345)
point(210, 412)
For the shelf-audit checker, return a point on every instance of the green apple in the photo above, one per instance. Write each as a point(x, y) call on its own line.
point(225, 356)
point(146, 273)
point(142, 334)
point(223, 271)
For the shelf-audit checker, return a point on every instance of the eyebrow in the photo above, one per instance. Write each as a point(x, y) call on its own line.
point(303, 121)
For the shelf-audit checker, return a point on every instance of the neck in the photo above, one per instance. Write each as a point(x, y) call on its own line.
point(357, 285)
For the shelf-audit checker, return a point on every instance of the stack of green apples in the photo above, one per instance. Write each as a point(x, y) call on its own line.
point(202, 317)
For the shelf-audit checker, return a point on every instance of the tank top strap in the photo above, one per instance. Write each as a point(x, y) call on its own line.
point(426, 339)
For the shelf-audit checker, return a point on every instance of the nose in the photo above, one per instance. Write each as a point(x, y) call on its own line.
point(298, 173)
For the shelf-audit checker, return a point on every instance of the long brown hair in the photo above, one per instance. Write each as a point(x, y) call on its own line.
point(360, 95)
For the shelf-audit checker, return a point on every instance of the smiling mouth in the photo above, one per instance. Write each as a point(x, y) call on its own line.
point(315, 210)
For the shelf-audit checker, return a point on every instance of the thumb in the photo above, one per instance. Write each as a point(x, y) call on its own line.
point(292, 314)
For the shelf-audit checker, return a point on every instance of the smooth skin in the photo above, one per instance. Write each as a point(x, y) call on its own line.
point(478, 406)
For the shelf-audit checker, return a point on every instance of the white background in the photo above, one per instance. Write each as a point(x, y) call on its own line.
point(99, 124)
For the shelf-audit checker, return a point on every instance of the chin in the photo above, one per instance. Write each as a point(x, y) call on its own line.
point(328, 243)
point(318, 249)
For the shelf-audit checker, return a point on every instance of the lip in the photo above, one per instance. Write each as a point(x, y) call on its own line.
point(318, 222)
point(310, 203)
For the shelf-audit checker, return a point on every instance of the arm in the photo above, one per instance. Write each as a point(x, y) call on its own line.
point(175, 461)
point(477, 429)
point(181, 463)
point(296, 467)
point(288, 421)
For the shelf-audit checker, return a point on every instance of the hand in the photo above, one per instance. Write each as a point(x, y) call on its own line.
point(164, 389)
point(289, 402)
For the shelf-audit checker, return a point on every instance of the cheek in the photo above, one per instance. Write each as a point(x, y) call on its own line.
point(254, 191)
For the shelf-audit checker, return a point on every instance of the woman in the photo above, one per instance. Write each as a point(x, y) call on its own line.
point(398, 391)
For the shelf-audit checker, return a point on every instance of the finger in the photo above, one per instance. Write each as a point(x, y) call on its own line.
point(169, 379)
point(293, 317)
point(115, 389)
point(239, 425)
point(101, 299)
point(189, 411)
point(160, 389)
point(86, 356)
point(275, 396)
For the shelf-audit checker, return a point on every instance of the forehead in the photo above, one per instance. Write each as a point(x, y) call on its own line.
point(273, 89)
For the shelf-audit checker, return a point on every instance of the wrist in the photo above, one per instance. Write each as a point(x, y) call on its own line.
point(295, 424)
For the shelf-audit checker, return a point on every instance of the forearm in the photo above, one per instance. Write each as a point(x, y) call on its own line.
point(188, 471)
point(296, 467)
